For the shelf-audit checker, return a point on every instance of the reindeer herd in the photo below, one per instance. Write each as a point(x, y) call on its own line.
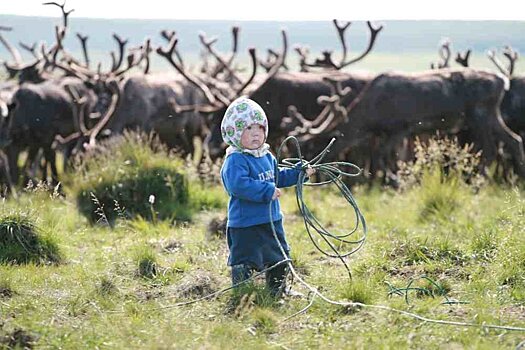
point(60, 103)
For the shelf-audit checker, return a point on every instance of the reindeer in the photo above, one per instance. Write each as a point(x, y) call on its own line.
point(163, 104)
point(401, 105)
point(513, 105)
point(290, 92)
point(42, 112)
point(177, 108)
point(392, 149)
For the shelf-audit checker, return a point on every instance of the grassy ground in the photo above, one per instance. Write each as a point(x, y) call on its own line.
point(115, 288)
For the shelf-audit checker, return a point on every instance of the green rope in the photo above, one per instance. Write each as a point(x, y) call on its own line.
point(340, 245)
point(422, 290)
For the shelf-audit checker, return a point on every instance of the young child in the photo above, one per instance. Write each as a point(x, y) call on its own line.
point(248, 174)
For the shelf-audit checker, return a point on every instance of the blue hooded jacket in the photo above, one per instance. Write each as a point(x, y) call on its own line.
point(250, 182)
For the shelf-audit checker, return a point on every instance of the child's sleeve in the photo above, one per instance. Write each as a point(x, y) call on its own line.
point(238, 183)
point(287, 176)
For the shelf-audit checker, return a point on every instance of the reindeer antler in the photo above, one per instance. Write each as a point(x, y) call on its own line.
point(65, 13)
point(116, 63)
point(12, 50)
point(235, 41)
point(208, 44)
point(463, 59)
point(83, 42)
point(510, 54)
point(32, 49)
point(326, 61)
point(168, 54)
point(303, 52)
point(271, 59)
point(444, 53)
point(216, 99)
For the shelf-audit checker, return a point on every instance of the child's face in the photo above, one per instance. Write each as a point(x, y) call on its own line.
point(252, 137)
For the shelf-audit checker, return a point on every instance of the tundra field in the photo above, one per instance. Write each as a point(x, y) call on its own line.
point(124, 247)
point(69, 280)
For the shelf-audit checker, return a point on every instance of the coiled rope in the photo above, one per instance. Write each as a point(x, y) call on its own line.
point(332, 171)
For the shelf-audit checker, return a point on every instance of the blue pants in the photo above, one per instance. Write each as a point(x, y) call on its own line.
point(256, 245)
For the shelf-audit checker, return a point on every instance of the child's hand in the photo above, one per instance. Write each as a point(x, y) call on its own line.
point(310, 171)
point(276, 194)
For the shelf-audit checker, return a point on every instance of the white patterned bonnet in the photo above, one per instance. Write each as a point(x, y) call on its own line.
point(241, 113)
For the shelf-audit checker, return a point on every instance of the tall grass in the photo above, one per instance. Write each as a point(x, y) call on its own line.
point(443, 173)
point(22, 242)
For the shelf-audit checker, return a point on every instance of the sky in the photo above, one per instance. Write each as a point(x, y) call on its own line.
point(276, 10)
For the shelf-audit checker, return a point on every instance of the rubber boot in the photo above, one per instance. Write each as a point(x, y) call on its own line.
point(240, 273)
point(276, 280)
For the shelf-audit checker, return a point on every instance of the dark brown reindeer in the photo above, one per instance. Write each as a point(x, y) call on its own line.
point(23, 72)
point(298, 91)
point(167, 104)
point(178, 108)
point(36, 72)
point(43, 112)
point(402, 105)
point(394, 149)
point(512, 107)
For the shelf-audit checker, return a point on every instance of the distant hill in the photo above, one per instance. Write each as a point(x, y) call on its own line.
point(416, 40)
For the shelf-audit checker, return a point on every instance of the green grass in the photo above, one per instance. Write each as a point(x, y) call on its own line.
point(117, 285)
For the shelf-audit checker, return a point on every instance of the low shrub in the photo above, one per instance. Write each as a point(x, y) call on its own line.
point(445, 157)
point(134, 175)
point(152, 193)
point(21, 242)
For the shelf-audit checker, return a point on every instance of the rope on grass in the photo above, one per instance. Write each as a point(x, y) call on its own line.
point(423, 290)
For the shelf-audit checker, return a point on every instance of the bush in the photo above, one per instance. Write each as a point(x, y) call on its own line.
point(21, 242)
point(442, 157)
point(264, 321)
point(154, 193)
point(135, 175)
point(443, 174)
